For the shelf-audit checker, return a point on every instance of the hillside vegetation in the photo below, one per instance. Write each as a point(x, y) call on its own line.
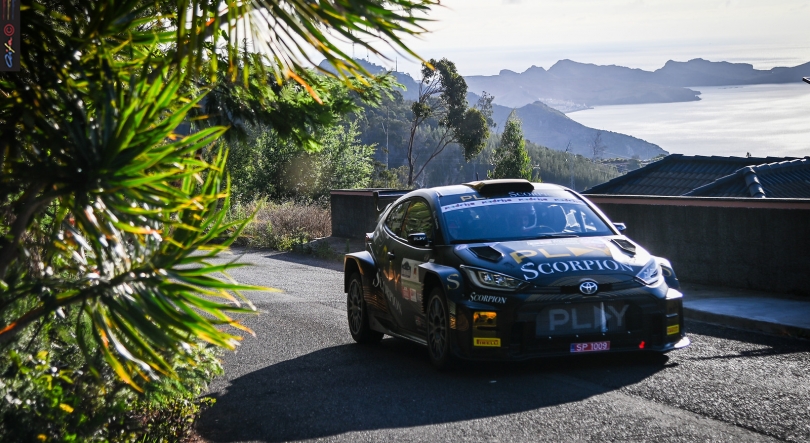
point(560, 167)
point(386, 127)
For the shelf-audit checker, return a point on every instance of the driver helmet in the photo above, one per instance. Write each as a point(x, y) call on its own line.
point(526, 215)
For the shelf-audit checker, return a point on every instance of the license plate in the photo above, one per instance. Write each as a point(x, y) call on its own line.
point(590, 347)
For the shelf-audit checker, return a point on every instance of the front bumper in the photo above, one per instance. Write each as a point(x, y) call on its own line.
point(517, 331)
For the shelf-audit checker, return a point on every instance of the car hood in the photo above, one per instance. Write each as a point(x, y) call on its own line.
point(551, 259)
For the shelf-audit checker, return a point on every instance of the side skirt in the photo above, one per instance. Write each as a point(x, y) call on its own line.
point(377, 326)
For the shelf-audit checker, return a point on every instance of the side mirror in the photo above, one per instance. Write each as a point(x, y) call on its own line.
point(418, 239)
point(621, 227)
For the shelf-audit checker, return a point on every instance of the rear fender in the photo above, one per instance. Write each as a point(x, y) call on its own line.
point(361, 262)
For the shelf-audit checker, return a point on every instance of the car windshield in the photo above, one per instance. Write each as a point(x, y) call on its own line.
point(524, 216)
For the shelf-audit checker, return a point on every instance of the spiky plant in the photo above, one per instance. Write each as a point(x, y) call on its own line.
point(109, 203)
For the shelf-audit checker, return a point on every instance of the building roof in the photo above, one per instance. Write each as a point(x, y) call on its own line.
point(786, 179)
point(678, 174)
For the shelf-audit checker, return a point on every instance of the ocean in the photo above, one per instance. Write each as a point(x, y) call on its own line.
point(763, 120)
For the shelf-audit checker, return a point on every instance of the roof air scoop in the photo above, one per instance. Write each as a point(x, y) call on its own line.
point(487, 253)
point(501, 186)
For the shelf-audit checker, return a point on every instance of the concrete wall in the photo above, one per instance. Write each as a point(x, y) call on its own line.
point(747, 243)
point(355, 211)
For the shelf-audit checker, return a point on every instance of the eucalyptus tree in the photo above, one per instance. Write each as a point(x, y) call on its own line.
point(110, 213)
point(443, 96)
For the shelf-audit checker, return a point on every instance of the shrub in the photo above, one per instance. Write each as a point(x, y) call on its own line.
point(49, 392)
point(267, 166)
point(282, 226)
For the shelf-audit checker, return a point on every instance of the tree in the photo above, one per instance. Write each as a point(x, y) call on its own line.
point(510, 157)
point(295, 112)
point(443, 96)
point(109, 210)
point(597, 147)
point(484, 104)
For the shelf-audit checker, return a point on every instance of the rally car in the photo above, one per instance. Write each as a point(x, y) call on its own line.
point(509, 269)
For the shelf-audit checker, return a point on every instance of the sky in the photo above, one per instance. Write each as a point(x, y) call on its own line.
point(483, 37)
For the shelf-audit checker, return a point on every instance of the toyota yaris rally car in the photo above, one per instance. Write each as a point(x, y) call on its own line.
point(508, 269)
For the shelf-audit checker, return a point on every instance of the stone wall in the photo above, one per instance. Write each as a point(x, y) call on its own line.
point(746, 243)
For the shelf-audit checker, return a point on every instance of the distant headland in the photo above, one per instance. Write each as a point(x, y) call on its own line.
point(582, 85)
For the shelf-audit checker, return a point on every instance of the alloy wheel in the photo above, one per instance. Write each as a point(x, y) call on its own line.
point(437, 328)
point(355, 307)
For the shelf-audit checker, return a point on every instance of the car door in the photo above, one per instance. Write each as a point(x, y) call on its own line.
point(387, 245)
point(418, 220)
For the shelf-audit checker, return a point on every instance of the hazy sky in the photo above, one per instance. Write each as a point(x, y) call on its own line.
point(485, 36)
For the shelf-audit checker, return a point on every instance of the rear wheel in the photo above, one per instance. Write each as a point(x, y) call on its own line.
point(358, 313)
point(438, 323)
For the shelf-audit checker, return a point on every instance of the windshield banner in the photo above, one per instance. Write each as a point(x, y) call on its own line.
point(509, 200)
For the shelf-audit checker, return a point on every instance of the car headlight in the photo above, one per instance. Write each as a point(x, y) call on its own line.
point(650, 274)
point(493, 280)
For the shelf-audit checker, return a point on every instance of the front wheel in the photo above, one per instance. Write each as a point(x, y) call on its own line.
point(358, 313)
point(438, 323)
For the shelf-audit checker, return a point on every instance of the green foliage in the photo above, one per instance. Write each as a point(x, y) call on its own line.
point(52, 394)
point(267, 165)
point(510, 157)
point(343, 163)
point(296, 113)
point(116, 210)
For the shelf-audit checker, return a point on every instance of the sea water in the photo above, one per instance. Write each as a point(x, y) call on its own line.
point(763, 120)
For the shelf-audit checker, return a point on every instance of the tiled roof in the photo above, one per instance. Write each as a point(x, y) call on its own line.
point(786, 179)
point(678, 174)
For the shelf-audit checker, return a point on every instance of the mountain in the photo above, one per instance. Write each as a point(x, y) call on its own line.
point(699, 72)
point(549, 127)
point(586, 84)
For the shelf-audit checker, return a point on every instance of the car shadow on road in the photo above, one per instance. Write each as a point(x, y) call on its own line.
point(772, 344)
point(392, 385)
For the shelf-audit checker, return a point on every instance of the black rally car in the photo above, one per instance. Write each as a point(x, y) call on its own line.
point(508, 269)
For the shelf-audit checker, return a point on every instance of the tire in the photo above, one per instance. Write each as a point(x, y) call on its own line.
point(357, 313)
point(438, 336)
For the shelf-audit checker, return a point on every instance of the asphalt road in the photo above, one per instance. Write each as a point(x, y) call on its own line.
point(302, 377)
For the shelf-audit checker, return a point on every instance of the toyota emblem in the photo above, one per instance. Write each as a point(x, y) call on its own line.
point(588, 287)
